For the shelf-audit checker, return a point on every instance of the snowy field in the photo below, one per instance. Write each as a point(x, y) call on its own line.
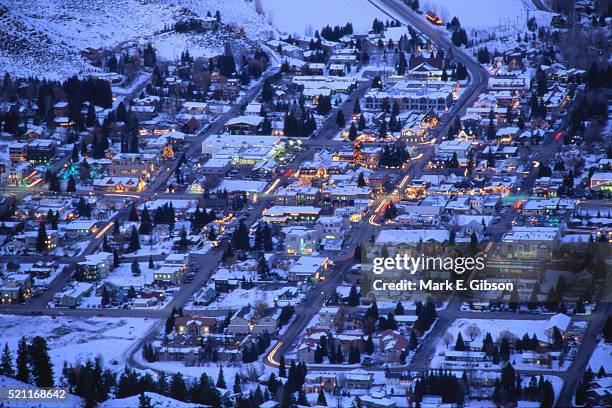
point(122, 275)
point(304, 17)
point(496, 327)
point(169, 46)
point(77, 339)
point(602, 356)
point(157, 401)
point(242, 297)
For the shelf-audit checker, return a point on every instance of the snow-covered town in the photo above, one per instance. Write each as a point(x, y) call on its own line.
point(208, 203)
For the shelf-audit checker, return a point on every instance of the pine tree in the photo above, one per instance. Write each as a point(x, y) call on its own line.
point(353, 299)
point(145, 221)
point(178, 388)
point(133, 217)
point(135, 268)
point(144, 401)
point(6, 362)
point(23, 367)
point(282, 371)
point(41, 239)
point(105, 301)
point(71, 185)
point(221, 379)
point(115, 258)
point(399, 309)
point(237, 387)
point(459, 344)
point(340, 121)
point(134, 244)
point(42, 368)
point(321, 400)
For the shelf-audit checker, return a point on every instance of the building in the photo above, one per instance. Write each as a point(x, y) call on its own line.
point(119, 184)
point(309, 268)
point(247, 321)
point(332, 227)
point(601, 182)
point(300, 240)
point(15, 288)
point(41, 150)
point(194, 326)
point(284, 213)
point(80, 228)
point(420, 100)
point(73, 295)
point(531, 242)
point(458, 147)
point(172, 270)
point(96, 266)
point(195, 108)
point(244, 125)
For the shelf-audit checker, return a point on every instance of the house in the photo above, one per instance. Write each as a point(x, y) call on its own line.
point(531, 242)
point(41, 150)
point(119, 184)
point(96, 266)
point(331, 227)
point(314, 382)
point(300, 240)
point(249, 189)
point(296, 195)
point(15, 288)
point(244, 125)
point(337, 69)
point(284, 213)
point(428, 215)
point(42, 269)
point(358, 380)
point(172, 270)
point(80, 228)
point(377, 400)
point(141, 165)
point(309, 268)
point(248, 320)
point(561, 321)
point(194, 326)
point(465, 356)
point(190, 126)
point(601, 182)
point(458, 147)
point(195, 108)
point(73, 295)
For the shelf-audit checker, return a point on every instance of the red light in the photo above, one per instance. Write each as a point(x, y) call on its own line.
point(288, 173)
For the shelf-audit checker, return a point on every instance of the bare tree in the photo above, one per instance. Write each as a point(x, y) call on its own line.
point(506, 335)
point(472, 332)
point(448, 338)
point(339, 320)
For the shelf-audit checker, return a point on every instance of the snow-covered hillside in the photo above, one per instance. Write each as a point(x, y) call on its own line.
point(44, 37)
point(158, 401)
point(303, 17)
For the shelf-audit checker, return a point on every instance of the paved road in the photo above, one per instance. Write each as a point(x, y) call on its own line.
point(314, 300)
